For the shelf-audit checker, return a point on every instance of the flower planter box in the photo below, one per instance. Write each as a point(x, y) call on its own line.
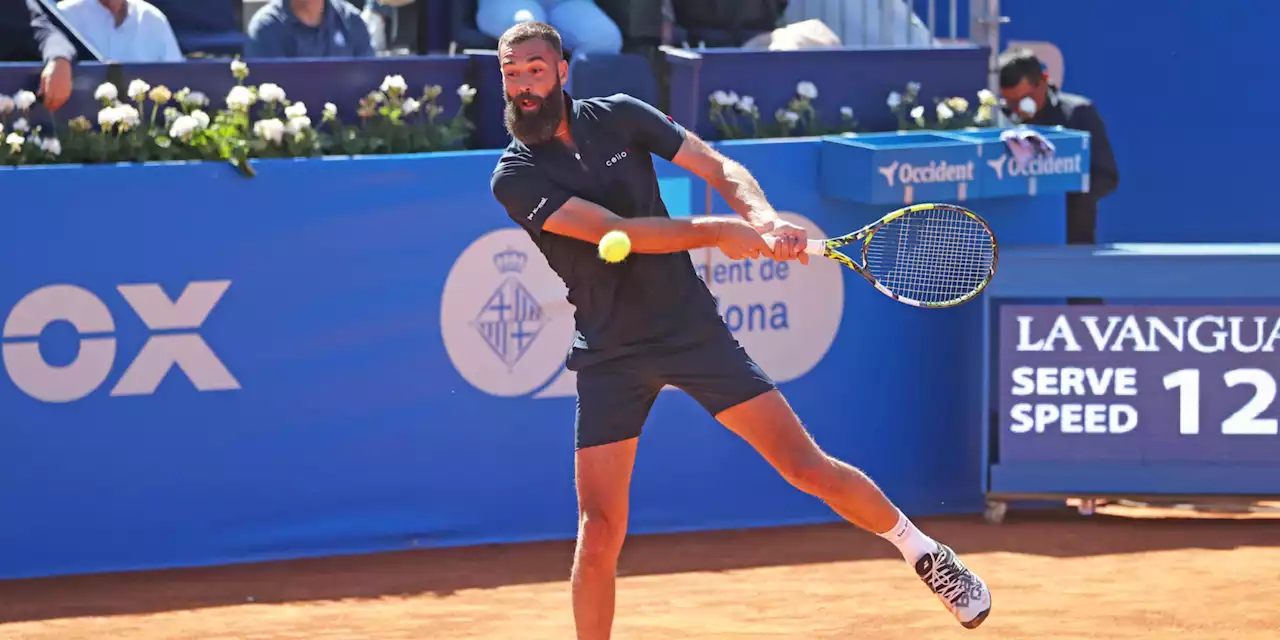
point(899, 167)
point(1067, 171)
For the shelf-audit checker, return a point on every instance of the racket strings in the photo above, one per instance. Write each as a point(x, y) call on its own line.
point(932, 256)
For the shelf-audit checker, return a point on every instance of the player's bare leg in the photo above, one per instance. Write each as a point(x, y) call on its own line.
point(603, 478)
point(772, 428)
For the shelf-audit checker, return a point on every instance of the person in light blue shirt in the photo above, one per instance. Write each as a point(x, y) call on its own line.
point(308, 29)
point(584, 26)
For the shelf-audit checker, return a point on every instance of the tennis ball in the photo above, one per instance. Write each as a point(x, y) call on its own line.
point(615, 246)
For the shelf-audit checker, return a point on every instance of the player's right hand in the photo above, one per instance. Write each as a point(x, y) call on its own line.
point(738, 240)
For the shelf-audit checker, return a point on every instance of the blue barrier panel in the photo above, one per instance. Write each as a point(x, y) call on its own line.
point(1169, 393)
point(1066, 171)
point(857, 78)
point(289, 369)
point(900, 168)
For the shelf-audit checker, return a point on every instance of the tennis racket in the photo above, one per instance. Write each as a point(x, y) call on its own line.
point(925, 255)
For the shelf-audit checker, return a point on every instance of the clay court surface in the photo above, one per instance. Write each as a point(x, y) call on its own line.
point(1053, 575)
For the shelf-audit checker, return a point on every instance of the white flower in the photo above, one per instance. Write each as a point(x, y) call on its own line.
point(196, 99)
point(297, 126)
point(24, 99)
point(201, 117)
point(295, 110)
point(15, 141)
point(958, 104)
point(271, 130)
point(944, 112)
point(6, 104)
point(846, 112)
point(138, 90)
point(733, 98)
point(913, 87)
point(171, 114)
point(807, 90)
point(106, 91)
point(721, 98)
point(986, 97)
point(1027, 106)
point(51, 146)
point(129, 116)
point(466, 92)
point(240, 98)
point(918, 112)
point(270, 92)
point(411, 106)
point(238, 67)
point(21, 125)
point(894, 100)
point(1, 127)
point(789, 116)
point(394, 84)
point(183, 127)
point(330, 110)
point(747, 104)
point(109, 117)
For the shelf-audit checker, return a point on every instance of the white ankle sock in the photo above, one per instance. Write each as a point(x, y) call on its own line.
point(909, 540)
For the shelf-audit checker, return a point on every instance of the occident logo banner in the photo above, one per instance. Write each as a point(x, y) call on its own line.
point(507, 326)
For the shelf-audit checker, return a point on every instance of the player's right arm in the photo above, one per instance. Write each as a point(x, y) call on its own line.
point(542, 207)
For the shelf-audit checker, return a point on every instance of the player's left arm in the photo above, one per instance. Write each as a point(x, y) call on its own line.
point(661, 135)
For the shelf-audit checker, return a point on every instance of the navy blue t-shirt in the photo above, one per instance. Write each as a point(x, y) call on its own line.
point(647, 301)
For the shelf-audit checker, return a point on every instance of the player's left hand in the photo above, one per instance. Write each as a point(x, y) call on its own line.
point(789, 241)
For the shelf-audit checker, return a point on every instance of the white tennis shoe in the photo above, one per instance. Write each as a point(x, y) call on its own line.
point(963, 593)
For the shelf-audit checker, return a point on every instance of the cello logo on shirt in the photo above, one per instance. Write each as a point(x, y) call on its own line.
point(617, 157)
point(507, 324)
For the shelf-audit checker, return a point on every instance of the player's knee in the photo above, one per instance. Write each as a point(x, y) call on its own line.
point(600, 536)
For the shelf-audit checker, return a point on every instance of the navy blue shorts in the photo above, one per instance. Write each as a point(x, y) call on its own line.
point(614, 397)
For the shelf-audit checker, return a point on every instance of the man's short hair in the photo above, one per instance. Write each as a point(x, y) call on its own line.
point(1017, 65)
point(523, 31)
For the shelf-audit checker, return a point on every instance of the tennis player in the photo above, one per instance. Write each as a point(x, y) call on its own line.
point(577, 169)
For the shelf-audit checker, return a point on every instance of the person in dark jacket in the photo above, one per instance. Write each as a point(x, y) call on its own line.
point(27, 35)
point(1029, 97)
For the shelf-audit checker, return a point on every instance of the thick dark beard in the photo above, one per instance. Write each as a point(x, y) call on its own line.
point(540, 125)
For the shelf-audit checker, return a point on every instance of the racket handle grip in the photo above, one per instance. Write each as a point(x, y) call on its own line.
point(812, 247)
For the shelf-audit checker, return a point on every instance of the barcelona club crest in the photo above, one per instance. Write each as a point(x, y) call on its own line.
point(512, 318)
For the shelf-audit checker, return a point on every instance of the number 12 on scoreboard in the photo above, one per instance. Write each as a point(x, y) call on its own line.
point(1245, 421)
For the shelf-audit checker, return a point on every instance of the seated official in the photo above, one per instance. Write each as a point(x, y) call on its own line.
point(308, 29)
point(585, 27)
point(123, 30)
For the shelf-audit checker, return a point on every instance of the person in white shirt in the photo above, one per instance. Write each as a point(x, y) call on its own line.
point(123, 30)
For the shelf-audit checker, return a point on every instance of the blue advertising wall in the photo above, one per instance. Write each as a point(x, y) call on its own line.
point(1190, 124)
point(253, 369)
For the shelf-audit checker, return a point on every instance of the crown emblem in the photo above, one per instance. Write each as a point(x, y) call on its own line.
point(510, 261)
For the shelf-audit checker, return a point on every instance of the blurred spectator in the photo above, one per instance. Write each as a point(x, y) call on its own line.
point(308, 29)
point(26, 34)
point(1029, 98)
point(123, 30)
point(584, 27)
